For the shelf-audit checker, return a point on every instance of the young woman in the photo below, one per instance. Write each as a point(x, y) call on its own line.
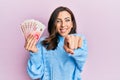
point(62, 54)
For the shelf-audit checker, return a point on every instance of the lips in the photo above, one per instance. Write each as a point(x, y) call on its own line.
point(63, 30)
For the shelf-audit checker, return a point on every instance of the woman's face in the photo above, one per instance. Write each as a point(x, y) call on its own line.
point(64, 23)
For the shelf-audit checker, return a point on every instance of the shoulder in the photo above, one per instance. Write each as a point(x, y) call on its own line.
point(41, 39)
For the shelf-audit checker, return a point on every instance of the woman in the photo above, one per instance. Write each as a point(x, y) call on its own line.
point(62, 54)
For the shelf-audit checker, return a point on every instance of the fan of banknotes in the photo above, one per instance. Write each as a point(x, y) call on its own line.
point(34, 27)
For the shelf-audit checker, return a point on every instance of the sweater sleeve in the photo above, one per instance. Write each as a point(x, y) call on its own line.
point(80, 54)
point(35, 66)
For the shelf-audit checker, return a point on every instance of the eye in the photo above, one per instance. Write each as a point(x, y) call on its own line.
point(58, 21)
point(67, 20)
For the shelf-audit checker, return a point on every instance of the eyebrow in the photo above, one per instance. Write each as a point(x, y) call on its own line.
point(65, 18)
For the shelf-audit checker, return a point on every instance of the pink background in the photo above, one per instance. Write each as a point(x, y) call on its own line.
point(99, 20)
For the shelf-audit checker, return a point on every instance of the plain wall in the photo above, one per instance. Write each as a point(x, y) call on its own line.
point(98, 20)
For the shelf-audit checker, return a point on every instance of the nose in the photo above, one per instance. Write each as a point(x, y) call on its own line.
point(63, 24)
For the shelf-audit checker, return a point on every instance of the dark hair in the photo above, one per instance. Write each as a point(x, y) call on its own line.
point(52, 41)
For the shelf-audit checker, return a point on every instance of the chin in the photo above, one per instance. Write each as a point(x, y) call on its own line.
point(63, 35)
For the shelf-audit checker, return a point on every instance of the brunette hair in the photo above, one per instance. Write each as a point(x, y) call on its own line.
point(51, 42)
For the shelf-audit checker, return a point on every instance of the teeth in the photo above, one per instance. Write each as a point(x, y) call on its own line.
point(63, 30)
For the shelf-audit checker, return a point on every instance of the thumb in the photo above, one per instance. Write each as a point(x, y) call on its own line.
point(68, 49)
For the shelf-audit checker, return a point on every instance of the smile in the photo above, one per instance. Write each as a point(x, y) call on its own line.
point(63, 30)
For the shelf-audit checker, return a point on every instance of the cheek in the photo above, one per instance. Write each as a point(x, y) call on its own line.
point(57, 27)
point(69, 29)
point(70, 26)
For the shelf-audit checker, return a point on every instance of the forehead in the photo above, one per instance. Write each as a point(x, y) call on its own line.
point(64, 14)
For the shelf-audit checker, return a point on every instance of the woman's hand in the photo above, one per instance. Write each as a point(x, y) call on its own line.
point(71, 43)
point(30, 43)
